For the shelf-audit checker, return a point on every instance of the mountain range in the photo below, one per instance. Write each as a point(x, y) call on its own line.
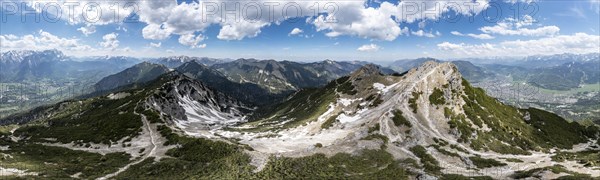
point(31, 66)
point(470, 71)
point(176, 61)
point(256, 82)
point(554, 72)
point(34, 78)
point(427, 123)
point(278, 76)
point(139, 73)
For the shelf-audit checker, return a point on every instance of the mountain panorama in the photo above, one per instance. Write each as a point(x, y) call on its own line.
point(201, 118)
point(300, 90)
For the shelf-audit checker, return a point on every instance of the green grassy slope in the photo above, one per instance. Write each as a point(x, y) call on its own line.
point(519, 129)
point(304, 106)
point(57, 162)
point(96, 120)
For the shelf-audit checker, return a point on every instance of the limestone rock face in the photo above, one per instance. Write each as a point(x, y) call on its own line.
point(192, 105)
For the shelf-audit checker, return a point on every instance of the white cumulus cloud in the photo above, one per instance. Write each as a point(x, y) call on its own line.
point(296, 31)
point(476, 36)
point(41, 41)
point(239, 31)
point(511, 26)
point(369, 48)
point(244, 19)
point(192, 40)
point(422, 33)
point(351, 18)
point(155, 32)
point(87, 30)
point(578, 43)
point(156, 45)
point(110, 41)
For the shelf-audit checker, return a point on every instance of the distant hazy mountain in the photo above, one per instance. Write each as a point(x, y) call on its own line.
point(249, 93)
point(33, 78)
point(139, 73)
point(116, 60)
point(491, 60)
point(278, 76)
point(566, 76)
point(53, 65)
point(535, 62)
point(253, 82)
point(270, 74)
point(105, 62)
point(517, 73)
point(176, 61)
point(333, 69)
point(556, 72)
point(25, 65)
point(470, 71)
point(407, 64)
point(17, 57)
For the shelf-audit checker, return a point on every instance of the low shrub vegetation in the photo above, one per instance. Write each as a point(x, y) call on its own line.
point(437, 97)
point(430, 164)
point(485, 163)
point(399, 119)
point(412, 102)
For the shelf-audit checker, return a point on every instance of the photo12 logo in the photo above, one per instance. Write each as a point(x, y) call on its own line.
point(72, 11)
point(100, 12)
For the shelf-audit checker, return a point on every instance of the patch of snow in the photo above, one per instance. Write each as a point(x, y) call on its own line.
point(324, 115)
point(294, 140)
point(346, 102)
point(387, 88)
point(360, 111)
point(343, 118)
point(285, 122)
point(76, 175)
point(379, 86)
point(383, 88)
point(204, 115)
point(12, 131)
point(120, 95)
point(14, 172)
point(363, 104)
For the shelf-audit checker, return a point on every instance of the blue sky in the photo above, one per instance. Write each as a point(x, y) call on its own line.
point(364, 30)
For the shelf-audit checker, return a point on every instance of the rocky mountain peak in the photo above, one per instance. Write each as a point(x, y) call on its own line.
point(146, 63)
point(32, 56)
point(429, 66)
point(366, 71)
point(193, 64)
point(329, 61)
point(193, 105)
point(139, 73)
point(244, 60)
